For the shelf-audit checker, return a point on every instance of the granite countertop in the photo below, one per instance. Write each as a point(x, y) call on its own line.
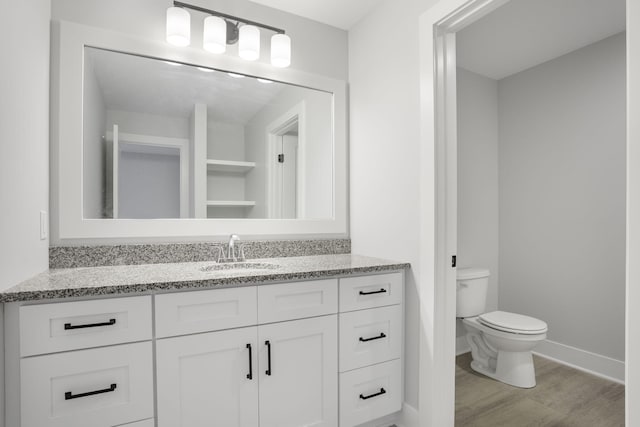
point(125, 279)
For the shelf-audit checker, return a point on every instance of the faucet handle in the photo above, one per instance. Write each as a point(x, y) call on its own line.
point(220, 251)
point(240, 253)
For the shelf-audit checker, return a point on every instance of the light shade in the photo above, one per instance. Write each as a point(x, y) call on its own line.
point(280, 50)
point(178, 26)
point(214, 38)
point(249, 43)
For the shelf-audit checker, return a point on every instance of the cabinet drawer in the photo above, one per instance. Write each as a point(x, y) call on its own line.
point(370, 336)
point(357, 293)
point(211, 310)
point(101, 387)
point(370, 393)
point(287, 301)
point(50, 328)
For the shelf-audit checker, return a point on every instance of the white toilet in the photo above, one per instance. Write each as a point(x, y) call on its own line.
point(500, 342)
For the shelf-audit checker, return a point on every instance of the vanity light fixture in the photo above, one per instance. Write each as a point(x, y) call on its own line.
point(178, 26)
point(221, 30)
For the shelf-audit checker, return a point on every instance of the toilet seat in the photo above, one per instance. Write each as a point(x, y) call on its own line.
point(513, 323)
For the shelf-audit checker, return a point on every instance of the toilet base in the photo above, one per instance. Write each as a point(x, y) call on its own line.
point(501, 356)
point(513, 368)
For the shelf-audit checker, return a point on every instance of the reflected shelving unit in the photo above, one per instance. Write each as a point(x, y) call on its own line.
point(214, 165)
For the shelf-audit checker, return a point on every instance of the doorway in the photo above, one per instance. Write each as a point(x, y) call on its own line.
point(285, 165)
point(443, 27)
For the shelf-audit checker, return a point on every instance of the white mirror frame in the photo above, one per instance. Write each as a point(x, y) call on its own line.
point(67, 222)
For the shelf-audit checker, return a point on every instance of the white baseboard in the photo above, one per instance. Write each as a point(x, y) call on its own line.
point(462, 345)
point(409, 417)
point(583, 360)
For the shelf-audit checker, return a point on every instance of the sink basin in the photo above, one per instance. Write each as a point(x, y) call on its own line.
point(230, 266)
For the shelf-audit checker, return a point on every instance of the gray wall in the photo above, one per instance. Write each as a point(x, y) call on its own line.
point(478, 176)
point(150, 184)
point(24, 139)
point(478, 179)
point(562, 196)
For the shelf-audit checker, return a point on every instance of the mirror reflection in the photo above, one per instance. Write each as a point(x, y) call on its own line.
point(167, 140)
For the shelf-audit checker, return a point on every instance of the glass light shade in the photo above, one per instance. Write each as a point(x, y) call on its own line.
point(280, 50)
point(214, 39)
point(249, 43)
point(178, 26)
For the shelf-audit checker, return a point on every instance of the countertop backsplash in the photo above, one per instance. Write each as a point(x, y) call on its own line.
point(96, 256)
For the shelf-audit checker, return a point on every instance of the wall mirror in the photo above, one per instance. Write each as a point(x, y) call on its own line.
point(167, 140)
point(154, 142)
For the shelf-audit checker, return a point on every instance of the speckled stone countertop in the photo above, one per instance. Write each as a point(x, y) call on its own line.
point(126, 279)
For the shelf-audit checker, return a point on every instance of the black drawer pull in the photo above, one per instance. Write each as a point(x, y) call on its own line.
point(381, 291)
point(250, 374)
point(381, 392)
point(382, 335)
point(268, 344)
point(69, 395)
point(68, 326)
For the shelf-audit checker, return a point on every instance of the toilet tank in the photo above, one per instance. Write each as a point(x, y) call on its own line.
point(471, 291)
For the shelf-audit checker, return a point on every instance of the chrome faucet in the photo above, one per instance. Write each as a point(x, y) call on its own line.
point(231, 254)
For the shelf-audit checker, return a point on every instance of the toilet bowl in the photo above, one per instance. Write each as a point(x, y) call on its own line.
point(501, 342)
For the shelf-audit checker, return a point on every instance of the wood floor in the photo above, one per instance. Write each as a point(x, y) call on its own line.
point(563, 397)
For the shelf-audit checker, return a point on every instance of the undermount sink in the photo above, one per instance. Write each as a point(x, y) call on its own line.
point(227, 266)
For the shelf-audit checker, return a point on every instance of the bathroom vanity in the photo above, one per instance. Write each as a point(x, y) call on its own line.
point(294, 341)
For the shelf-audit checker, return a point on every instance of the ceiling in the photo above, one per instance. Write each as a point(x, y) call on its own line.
point(337, 13)
point(525, 33)
point(139, 84)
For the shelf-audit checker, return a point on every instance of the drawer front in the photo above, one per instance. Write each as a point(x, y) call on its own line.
point(370, 393)
point(50, 328)
point(287, 301)
point(102, 387)
point(202, 311)
point(357, 293)
point(370, 336)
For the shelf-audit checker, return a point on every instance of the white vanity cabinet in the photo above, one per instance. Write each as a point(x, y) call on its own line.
point(279, 373)
point(371, 340)
point(81, 364)
point(208, 379)
point(322, 353)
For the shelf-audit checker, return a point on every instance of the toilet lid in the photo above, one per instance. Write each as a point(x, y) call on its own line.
point(511, 322)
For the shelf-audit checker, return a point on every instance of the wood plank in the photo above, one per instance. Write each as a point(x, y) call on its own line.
point(563, 397)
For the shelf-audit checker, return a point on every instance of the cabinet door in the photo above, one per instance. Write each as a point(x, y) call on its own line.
point(208, 380)
point(298, 373)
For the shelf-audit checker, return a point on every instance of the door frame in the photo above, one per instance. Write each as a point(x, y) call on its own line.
point(275, 129)
point(181, 144)
point(438, 234)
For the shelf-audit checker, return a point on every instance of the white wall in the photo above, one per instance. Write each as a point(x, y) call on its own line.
point(478, 178)
point(385, 155)
point(24, 139)
point(632, 374)
point(315, 47)
point(562, 196)
point(316, 140)
point(148, 124)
